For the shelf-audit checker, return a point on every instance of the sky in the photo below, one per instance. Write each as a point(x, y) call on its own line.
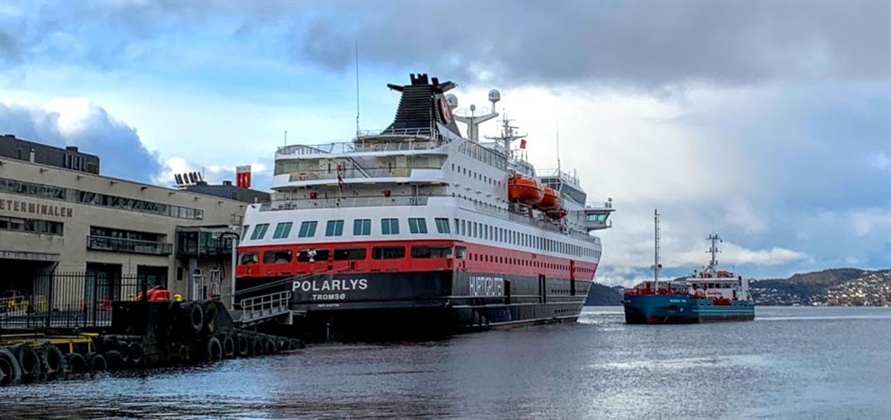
point(766, 122)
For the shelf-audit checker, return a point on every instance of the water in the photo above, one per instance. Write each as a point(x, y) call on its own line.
point(791, 363)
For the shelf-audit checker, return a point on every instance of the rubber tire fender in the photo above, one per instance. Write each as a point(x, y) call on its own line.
point(214, 349)
point(256, 346)
point(96, 362)
point(114, 361)
point(14, 374)
point(137, 354)
point(228, 345)
point(52, 359)
point(29, 362)
point(185, 353)
point(76, 362)
point(124, 349)
point(269, 346)
point(195, 317)
point(243, 345)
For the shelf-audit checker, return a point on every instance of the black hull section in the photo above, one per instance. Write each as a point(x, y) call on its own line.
point(423, 304)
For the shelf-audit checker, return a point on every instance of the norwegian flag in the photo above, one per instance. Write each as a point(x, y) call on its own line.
point(523, 143)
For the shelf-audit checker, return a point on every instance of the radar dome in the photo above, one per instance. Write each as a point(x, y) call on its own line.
point(494, 95)
point(452, 100)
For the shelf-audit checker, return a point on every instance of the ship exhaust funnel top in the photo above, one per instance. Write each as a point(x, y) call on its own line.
point(423, 105)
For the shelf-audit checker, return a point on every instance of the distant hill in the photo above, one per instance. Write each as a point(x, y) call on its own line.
point(832, 287)
point(601, 295)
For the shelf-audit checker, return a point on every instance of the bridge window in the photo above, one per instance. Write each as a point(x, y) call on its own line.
point(416, 225)
point(334, 228)
point(421, 251)
point(342, 254)
point(390, 227)
point(387, 252)
point(308, 229)
point(277, 256)
point(259, 231)
point(282, 230)
point(248, 258)
point(361, 227)
point(313, 255)
point(442, 225)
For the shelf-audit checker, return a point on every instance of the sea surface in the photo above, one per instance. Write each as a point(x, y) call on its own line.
point(790, 363)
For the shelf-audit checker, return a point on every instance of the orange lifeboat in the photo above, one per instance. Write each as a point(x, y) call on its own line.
point(550, 200)
point(524, 189)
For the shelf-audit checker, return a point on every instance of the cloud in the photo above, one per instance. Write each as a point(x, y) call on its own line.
point(261, 173)
point(78, 122)
point(640, 44)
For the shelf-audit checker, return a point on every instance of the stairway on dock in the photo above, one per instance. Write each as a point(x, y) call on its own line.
point(265, 308)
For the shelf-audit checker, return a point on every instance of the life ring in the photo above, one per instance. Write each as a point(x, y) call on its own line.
point(386, 193)
point(313, 195)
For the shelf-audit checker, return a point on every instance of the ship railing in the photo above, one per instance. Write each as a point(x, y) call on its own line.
point(335, 202)
point(506, 214)
point(655, 291)
point(261, 307)
point(378, 143)
point(558, 173)
point(356, 171)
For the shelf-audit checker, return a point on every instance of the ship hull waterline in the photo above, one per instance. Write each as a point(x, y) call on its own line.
point(385, 305)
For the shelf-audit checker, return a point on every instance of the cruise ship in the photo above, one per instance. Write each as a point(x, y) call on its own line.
point(420, 228)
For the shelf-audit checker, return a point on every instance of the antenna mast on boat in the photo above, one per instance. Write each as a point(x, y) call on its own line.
point(657, 266)
point(357, 89)
point(557, 129)
point(473, 121)
point(713, 249)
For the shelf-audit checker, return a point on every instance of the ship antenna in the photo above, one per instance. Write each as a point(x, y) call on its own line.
point(557, 129)
point(656, 265)
point(357, 89)
point(713, 249)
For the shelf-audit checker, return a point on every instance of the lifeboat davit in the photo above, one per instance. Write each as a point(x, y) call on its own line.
point(523, 189)
point(550, 200)
point(557, 213)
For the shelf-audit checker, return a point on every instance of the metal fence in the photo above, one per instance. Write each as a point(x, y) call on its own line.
point(69, 300)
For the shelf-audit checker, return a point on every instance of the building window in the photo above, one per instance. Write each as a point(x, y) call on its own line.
point(44, 227)
point(334, 228)
point(361, 227)
point(390, 227)
point(282, 230)
point(259, 231)
point(415, 225)
point(442, 225)
point(308, 229)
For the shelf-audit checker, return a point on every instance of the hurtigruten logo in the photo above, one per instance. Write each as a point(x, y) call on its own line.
point(24, 207)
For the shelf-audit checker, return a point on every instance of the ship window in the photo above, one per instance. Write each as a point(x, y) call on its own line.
point(416, 225)
point(387, 252)
point(248, 258)
point(314, 254)
point(349, 254)
point(463, 228)
point(259, 231)
point(361, 227)
point(421, 251)
point(308, 229)
point(390, 227)
point(334, 228)
point(277, 257)
point(461, 252)
point(442, 225)
point(282, 230)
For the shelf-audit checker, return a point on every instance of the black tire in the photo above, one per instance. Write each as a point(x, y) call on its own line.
point(214, 349)
point(194, 317)
point(114, 361)
point(29, 362)
point(242, 345)
point(137, 354)
point(97, 363)
point(228, 345)
point(109, 343)
point(52, 359)
point(269, 346)
point(185, 353)
point(210, 318)
point(124, 349)
point(256, 346)
point(76, 362)
point(296, 344)
point(10, 372)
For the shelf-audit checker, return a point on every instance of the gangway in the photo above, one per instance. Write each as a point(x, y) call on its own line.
point(264, 308)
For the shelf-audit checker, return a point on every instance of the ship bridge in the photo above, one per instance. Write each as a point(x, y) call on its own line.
point(596, 216)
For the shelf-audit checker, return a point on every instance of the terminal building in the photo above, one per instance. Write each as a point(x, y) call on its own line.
point(59, 216)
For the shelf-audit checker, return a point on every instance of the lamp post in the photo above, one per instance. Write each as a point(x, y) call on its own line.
point(235, 239)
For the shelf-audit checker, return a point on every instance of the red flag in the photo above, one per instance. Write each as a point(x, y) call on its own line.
point(523, 143)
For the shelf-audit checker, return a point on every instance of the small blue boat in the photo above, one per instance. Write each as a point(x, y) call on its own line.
point(711, 295)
